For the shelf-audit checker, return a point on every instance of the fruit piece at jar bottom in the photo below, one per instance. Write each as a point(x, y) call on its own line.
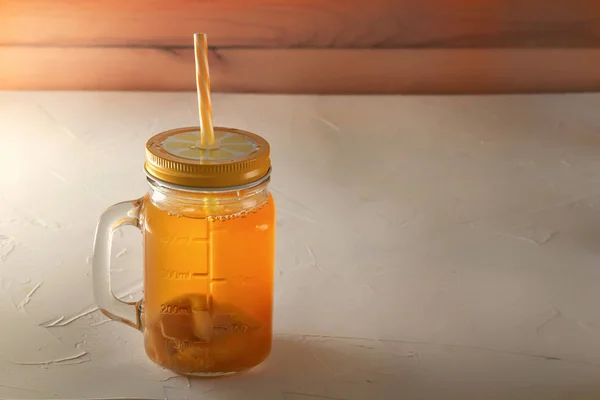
point(197, 338)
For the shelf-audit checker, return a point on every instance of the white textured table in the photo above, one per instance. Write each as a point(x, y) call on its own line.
point(427, 247)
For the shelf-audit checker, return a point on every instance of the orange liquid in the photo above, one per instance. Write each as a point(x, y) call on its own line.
point(208, 288)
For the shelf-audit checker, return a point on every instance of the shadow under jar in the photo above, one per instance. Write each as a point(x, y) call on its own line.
point(208, 224)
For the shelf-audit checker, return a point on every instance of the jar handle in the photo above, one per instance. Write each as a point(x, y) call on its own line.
point(125, 213)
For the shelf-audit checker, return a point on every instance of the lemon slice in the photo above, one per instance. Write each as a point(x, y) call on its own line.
point(228, 146)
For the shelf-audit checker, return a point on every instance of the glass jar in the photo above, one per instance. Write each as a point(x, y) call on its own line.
point(208, 224)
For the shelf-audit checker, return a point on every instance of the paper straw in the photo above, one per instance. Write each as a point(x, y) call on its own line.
point(207, 135)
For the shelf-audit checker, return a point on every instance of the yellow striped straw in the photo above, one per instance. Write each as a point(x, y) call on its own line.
point(207, 134)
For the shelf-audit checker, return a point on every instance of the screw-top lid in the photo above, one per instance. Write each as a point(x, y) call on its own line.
point(237, 158)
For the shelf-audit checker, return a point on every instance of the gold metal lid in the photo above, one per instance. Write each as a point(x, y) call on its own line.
point(237, 158)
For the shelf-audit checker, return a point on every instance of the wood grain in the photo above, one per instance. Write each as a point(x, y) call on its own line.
point(306, 70)
point(303, 46)
point(302, 23)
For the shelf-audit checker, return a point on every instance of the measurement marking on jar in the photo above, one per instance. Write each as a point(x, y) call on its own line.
point(201, 355)
point(241, 328)
point(199, 275)
point(171, 309)
point(175, 275)
point(183, 240)
point(177, 344)
point(184, 344)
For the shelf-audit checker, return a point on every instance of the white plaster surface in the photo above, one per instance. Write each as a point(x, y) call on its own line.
point(427, 247)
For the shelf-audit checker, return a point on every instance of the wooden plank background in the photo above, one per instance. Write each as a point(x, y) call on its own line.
point(304, 46)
